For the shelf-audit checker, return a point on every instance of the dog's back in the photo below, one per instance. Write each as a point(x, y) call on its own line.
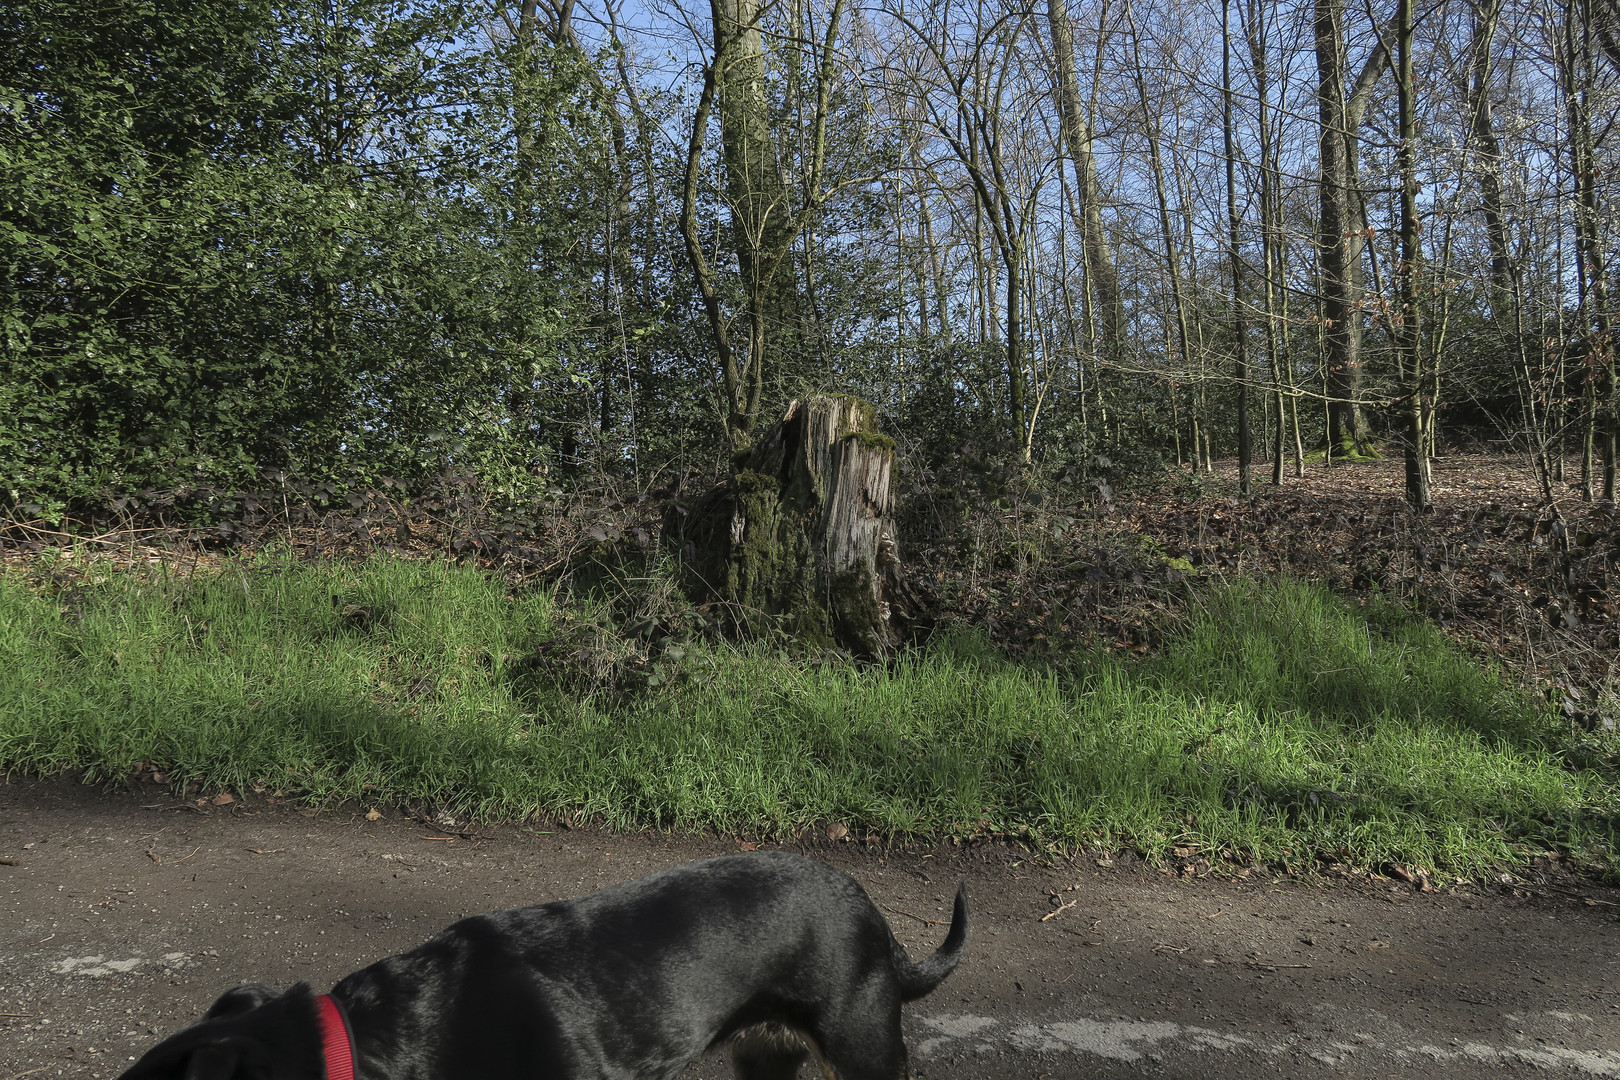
point(783, 956)
point(651, 973)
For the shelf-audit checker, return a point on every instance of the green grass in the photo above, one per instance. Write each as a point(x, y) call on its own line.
point(1280, 723)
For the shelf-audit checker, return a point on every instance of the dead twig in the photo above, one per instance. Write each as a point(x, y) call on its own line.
point(1574, 894)
point(919, 918)
point(1050, 915)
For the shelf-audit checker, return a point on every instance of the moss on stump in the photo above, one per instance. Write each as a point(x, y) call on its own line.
point(802, 536)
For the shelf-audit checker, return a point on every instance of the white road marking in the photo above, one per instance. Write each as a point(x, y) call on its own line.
point(97, 967)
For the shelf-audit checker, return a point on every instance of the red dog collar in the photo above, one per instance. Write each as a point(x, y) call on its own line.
point(336, 1042)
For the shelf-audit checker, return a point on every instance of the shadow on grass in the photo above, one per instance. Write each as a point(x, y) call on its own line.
point(1283, 645)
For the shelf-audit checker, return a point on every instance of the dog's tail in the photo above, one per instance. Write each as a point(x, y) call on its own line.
point(919, 979)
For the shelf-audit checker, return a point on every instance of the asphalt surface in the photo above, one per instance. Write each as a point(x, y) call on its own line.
point(122, 916)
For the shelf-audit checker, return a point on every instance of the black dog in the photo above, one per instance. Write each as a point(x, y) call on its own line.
point(786, 958)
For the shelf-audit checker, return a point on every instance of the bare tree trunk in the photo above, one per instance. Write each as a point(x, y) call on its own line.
point(1342, 231)
point(764, 224)
point(1270, 238)
point(1239, 326)
point(754, 188)
point(936, 271)
point(1505, 292)
point(742, 392)
point(1488, 156)
point(1410, 334)
point(1077, 138)
point(1166, 231)
point(1591, 271)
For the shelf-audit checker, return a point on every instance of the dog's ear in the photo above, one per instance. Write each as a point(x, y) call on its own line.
point(230, 1058)
point(216, 1062)
point(238, 1000)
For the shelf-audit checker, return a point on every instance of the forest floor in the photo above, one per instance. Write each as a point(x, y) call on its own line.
point(1516, 579)
point(124, 913)
point(1040, 566)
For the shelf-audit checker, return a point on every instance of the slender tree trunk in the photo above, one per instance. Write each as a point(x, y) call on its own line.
point(1077, 139)
point(739, 425)
point(1270, 239)
point(762, 230)
point(1591, 271)
point(975, 136)
point(936, 270)
point(1342, 227)
point(1166, 231)
point(1233, 227)
point(1410, 335)
point(1487, 155)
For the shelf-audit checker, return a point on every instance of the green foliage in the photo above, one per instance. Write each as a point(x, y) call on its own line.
point(1282, 724)
point(1267, 644)
point(244, 237)
point(944, 414)
point(872, 440)
point(369, 239)
point(117, 118)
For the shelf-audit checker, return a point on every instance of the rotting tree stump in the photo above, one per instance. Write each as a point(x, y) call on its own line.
point(803, 534)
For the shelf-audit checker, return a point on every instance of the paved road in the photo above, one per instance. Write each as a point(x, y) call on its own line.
point(127, 914)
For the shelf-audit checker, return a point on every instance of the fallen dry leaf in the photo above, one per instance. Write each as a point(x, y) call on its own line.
point(224, 799)
point(837, 831)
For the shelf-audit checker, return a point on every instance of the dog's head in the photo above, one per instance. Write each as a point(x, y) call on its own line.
point(250, 1033)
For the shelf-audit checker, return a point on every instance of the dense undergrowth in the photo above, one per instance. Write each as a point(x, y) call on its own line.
point(1279, 723)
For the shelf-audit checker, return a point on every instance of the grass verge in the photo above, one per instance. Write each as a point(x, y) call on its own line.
point(1280, 724)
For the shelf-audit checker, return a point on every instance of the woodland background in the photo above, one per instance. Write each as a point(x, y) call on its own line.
point(507, 279)
point(366, 242)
